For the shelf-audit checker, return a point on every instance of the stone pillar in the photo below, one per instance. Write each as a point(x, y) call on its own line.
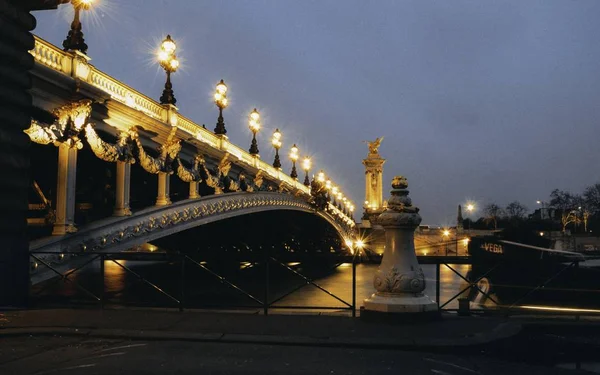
point(122, 189)
point(65, 190)
point(373, 183)
point(194, 190)
point(399, 281)
point(163, 197)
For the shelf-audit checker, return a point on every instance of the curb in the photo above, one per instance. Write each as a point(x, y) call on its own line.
point(502, 331)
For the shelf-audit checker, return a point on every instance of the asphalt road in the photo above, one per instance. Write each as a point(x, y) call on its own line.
point(76, 355)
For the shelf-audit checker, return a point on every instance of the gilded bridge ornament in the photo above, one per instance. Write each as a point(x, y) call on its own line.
point(190, 174)
point(70, 120)
point(120, 151)
point(168, 153)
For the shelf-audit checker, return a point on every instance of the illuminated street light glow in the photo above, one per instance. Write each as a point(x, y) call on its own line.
point(74, 40)
point(276, 142)
point(321, 176)
point(446, 233)
point(294, 157)
point(221, 102)
point(306, 165)
point(254, 125)
point(168, 61)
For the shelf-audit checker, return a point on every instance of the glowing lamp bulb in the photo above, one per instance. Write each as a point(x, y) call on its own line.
point(306, 164)
point(321, 176)
point(168, 45)
point(221, 88)
point(254, 115)
point(174, 64)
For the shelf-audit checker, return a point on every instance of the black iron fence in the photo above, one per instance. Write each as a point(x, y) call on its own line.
point(460, 286)
point(260, 294)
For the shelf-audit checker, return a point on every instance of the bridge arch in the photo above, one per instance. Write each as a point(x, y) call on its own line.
point(121, 233)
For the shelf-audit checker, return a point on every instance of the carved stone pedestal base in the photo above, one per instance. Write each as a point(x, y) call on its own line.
point(400, 303)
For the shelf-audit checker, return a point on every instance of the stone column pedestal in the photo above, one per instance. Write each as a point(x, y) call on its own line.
point(399, 281)
point(65, 190)
point(163, 197)
point(122, 189)
point(194, 190)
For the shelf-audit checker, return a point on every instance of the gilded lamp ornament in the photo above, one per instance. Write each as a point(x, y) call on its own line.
point(306, 165)
point(254, 125)
point(74, 40)
point(276, 142)
point(168, 61)
point(294, 158)
point(221, 102)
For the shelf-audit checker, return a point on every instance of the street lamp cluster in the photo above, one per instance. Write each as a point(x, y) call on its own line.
point(168, 61)
point(329, 192)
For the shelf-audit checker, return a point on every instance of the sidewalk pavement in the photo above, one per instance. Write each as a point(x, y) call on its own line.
point(239, 327)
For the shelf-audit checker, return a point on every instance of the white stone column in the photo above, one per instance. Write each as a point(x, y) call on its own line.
point(65, 190)
point(163, 197)
point(122, 189)
point(194, 190)
point(399, 281)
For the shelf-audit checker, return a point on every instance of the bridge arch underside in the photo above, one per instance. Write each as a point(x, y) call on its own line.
point(286, 234)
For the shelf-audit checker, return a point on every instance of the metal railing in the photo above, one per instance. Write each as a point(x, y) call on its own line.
point(468, 294)
point(266, 302)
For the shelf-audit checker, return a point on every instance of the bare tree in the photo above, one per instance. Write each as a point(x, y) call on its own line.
point(516, 211)
point(492, 213)
point(566, 203)
point(591, 196)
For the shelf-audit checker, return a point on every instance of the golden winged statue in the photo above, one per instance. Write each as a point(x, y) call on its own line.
point(374, 146)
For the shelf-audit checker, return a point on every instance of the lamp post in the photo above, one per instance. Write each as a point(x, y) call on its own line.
point(470, 209)
point(294, 158)
point(74, 40)
point(254, 125)
point(221, 102)
point(321, 176)
point(446, 234)
point(276, 142)
point(306, 166)
point(168, 61)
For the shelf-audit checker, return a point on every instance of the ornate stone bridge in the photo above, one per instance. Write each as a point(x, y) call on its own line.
point(81, 106)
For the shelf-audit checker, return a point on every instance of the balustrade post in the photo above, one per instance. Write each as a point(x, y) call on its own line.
point(194, 190)
point(122, 189)
point(65, 190)
point(163, 197)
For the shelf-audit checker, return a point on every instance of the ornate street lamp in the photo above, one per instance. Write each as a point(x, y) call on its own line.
point(168, 61)
point(221, 102)
point(306, 166)
point(276, 142)
point(254, 125)
point(74, 40)
point(321, 176)
point(294, 158)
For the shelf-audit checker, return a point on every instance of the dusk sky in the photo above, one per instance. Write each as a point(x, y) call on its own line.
point(491, 101)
